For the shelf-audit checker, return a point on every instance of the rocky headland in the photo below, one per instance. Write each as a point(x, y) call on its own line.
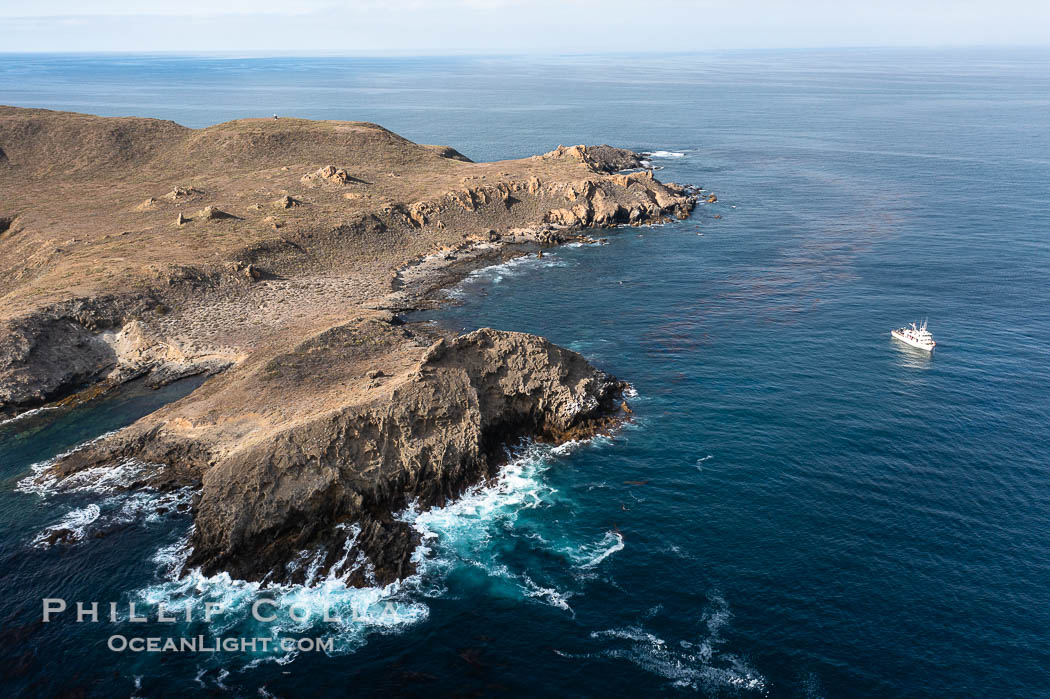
point(275, 256)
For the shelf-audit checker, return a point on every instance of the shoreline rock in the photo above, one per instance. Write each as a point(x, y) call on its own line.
point(323, 410)
point(426, 434)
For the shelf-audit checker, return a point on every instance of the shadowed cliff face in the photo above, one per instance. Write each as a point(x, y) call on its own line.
point(420, 436)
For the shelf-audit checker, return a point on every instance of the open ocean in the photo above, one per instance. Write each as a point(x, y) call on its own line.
point(802, 507)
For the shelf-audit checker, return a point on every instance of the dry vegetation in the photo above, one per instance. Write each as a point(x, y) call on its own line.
point(274, 254)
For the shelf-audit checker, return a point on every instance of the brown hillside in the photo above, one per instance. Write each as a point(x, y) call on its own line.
point(274, 255)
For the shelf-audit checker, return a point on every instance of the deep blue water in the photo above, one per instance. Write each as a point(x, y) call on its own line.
point(801, 507)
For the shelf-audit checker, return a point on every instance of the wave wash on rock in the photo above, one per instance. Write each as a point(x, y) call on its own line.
point(422, 436)
point(273, 256)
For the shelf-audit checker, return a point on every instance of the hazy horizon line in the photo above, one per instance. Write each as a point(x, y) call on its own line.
point(339, 53)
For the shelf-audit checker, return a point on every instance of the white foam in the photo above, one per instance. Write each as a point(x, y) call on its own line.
point(28, 413)
point(138, 687)
point(515, 267)
point(328, 608)
point(75, 522)
point(696, 665)
point(629, 633)
point(172, 558)
point(548, 595)
point(611, 543)
point(145, 505)
point(43, 482)
point(665, 154)
point(518, 486)
point(459, 534)
point(496, 273)
point(104, 479)
point(39, 482)
point(118, 510)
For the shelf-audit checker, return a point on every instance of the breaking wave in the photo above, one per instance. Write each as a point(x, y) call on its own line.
point(515, 267)
point(27, 414)
point(112, 513)
point(72, 528)
point(696, 664)
point(120, 508)
point(460, 534)
point(325, 607)
point(594, 554)
point(473, 532)
point(42, 482)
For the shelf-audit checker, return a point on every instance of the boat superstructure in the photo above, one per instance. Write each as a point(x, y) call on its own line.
point(915, 335)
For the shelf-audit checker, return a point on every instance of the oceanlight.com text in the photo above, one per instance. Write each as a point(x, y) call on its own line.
point(202, 644)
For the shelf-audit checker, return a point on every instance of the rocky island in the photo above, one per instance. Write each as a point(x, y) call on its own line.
point(276, 256)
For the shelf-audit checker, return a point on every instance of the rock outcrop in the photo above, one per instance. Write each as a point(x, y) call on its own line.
point(609, 159)
point(286, 202)
point(328, 173)
point(366, 239)
point(211, 213)
point(323, 412)
point(182, 193)
point(430, 430)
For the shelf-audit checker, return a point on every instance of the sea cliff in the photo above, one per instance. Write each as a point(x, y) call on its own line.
point(276, 256)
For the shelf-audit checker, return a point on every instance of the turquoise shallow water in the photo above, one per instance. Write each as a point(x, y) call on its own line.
point(801, 507)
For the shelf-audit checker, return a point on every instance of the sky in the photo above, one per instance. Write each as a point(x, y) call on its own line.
point(512, 26)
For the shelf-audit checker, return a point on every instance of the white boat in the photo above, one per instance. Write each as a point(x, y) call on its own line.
point(916, 336)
